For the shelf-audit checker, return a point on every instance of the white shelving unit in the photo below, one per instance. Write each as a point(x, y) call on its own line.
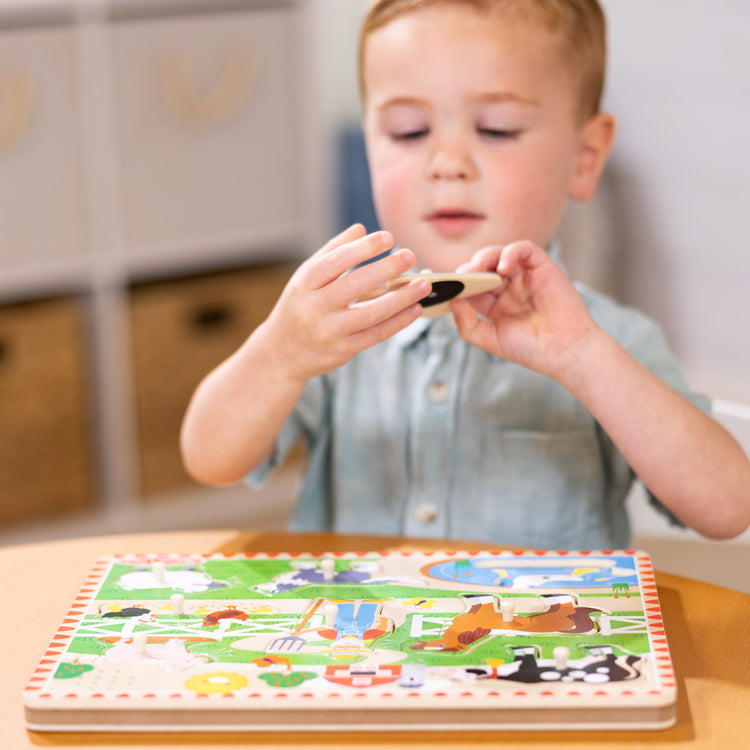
point(143, 140)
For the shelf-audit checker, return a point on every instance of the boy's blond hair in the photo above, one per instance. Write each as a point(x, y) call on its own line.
point(578, 24)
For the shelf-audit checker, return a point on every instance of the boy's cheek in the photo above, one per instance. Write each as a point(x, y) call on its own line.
point(393, 194)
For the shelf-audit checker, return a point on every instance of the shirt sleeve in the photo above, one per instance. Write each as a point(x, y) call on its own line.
point(305, 422)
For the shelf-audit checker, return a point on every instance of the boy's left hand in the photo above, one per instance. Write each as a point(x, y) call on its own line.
point(536, 319)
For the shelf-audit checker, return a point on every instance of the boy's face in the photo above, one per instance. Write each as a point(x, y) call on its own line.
point(472, 132)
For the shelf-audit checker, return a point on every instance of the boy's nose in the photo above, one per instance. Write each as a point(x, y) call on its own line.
point(450, 163)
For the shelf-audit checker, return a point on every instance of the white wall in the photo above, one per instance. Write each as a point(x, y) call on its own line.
point(680, 173)
point(676, 198)
point(336, 34)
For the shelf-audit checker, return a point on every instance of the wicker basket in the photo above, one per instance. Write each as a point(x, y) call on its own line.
point(181, 330)
point(46, 465)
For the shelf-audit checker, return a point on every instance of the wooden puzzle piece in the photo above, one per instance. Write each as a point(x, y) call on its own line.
point(562, 615)
point(601, 666)
point(445, 288)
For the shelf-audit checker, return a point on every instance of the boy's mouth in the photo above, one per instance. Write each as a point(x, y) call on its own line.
point(453, 222)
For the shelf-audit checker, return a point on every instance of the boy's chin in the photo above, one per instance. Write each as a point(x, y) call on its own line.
point(443, 257)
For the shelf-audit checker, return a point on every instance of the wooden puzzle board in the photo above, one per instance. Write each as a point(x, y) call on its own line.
point(403, 640)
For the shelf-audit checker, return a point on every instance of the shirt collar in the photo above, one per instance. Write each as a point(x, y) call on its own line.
point(407, 336)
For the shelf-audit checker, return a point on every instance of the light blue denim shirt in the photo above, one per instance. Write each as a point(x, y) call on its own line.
point(425, 435)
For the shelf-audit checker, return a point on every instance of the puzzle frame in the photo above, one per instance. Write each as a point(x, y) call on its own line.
point(427, 641)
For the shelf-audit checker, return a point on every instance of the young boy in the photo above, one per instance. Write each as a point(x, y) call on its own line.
point(522, 417)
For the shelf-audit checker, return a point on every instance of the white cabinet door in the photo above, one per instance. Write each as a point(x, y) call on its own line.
point(208, 122)
point(42, 215)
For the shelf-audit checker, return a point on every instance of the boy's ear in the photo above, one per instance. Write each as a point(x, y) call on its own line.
point(597, 137)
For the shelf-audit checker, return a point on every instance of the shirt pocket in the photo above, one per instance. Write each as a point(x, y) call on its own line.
point(542, 489)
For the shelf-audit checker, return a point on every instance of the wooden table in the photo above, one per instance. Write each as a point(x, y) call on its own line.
point(708, 629)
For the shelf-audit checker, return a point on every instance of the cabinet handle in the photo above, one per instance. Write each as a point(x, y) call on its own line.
point(211, 317)
point(16, 102)
point(215, 104)
point(5, 352)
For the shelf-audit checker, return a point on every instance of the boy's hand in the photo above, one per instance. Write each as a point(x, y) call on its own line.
point(536, 319)
point(314, 326)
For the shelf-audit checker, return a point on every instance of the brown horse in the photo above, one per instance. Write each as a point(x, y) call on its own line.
point(563, 616)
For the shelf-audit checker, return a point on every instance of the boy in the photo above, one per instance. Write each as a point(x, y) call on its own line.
point(524, 421)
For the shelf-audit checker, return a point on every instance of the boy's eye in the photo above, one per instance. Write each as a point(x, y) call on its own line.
point(410, 135)
point(499, 133)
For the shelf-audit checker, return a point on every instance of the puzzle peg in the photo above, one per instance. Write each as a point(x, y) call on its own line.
point(159, 570)
point(561, 655)
point(331, 612)
point(139, 641)
point(328, 567)
point(178, 604)
point(508, 608)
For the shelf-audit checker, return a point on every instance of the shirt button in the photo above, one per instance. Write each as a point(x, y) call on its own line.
point(426, 513)
point(437, 391)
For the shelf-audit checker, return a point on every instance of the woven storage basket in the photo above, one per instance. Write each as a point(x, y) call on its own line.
point(181, 330)
point(46, 463)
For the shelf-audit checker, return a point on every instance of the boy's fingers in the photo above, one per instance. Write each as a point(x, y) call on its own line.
point(362, 281)
point(345, 251)
point(483, 260)
point(520, 255)
point(374, 312)
point(385, 328)
point(349, 234)
point(470, 326)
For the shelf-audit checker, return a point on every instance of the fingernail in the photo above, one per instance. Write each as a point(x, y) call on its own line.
point(423, 286)
point(406, 255)
point(385, 238)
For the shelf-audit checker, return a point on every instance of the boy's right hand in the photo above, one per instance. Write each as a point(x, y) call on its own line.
point(239, 408)
point(315, 327)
